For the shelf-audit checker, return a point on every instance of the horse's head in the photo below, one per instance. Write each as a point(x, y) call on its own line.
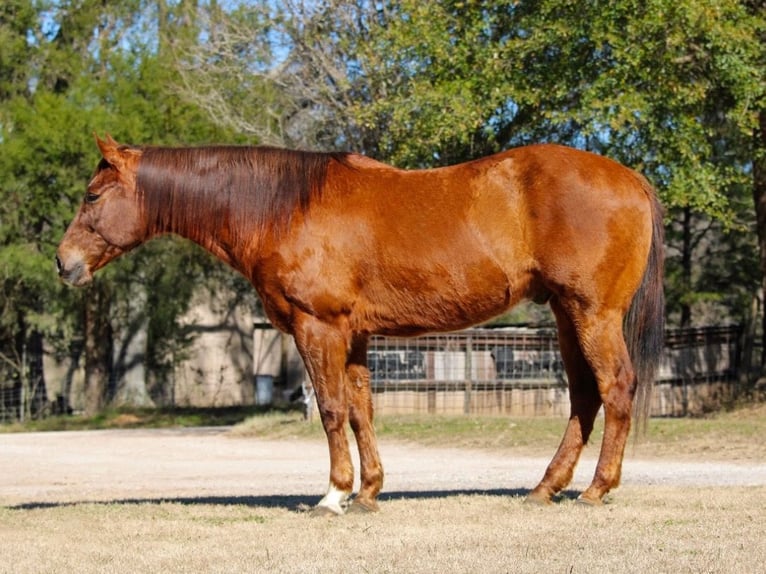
point(109, 222)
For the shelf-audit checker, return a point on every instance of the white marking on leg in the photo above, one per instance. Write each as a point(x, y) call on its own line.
point(335, 500)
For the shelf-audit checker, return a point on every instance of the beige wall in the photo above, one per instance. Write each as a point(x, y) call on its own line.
point(218, 371)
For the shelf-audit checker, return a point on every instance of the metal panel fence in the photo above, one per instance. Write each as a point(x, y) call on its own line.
point(478, 371)
point(499, 371)
point(701, 370)
point(519, 372)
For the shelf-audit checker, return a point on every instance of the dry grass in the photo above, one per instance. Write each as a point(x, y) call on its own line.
point(648, 530)
point(645, 529)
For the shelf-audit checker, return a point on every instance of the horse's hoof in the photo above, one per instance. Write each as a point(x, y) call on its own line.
point(360, 507)
point(324, 512)
point(588, 501)
point(534, 499)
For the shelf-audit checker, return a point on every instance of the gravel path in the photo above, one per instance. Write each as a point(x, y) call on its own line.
point(184, 464)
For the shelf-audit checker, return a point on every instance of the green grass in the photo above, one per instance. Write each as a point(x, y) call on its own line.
point(436, 430)
point(474, 432)
point(139, 418)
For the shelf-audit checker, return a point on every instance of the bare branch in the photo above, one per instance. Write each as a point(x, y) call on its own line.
point(281, 75)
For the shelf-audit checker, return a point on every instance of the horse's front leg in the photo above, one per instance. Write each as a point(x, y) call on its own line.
point(324, 349)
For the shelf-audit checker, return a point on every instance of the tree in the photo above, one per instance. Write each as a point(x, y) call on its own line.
point(758, 9)
point(397, 81)
point(76, 69)
point(671, 88)
point(30, 213)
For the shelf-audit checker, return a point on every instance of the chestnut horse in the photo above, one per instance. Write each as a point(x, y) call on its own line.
point(340, 247)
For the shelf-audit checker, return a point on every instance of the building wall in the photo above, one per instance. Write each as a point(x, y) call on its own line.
point(218, 368)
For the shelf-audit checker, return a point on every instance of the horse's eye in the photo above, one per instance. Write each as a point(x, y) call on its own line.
point(91, 197)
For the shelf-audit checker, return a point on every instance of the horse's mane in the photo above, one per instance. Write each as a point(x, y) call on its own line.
point(238, 188)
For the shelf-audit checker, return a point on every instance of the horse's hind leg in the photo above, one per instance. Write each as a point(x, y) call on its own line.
point(611, 363)
point(360, 416)
point(603, 345)
point(585, 401)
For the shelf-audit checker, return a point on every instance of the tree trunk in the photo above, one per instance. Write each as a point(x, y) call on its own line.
point(38, 392)
point(686, 267)
point(759, 196)
point(98, 348)
point(30, 389)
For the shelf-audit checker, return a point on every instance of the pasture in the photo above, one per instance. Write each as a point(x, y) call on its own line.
point(235, 500)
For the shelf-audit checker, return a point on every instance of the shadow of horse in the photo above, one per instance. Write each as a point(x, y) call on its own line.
point(292, 502)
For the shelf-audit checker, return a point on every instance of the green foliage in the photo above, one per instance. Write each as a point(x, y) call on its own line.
point(75, 69)
point(672, 88)
point(440, 79)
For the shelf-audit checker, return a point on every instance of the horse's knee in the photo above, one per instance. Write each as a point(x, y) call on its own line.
point(333, 417)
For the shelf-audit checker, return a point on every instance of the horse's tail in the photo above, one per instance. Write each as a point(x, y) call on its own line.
point(645, 321)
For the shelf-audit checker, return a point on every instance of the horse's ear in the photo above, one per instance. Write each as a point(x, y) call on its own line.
point(115, 154)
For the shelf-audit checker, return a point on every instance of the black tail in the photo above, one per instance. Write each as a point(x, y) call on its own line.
point(645, 321)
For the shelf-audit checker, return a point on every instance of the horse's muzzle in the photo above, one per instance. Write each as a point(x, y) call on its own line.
point(74, 273)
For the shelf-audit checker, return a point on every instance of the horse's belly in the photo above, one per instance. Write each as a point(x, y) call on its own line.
point(437, 301)
point(435, 316)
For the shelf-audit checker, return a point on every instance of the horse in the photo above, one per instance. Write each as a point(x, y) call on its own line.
point(340, 247)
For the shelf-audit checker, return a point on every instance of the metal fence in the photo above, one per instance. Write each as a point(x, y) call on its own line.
point(21, 397)
point(499, 371)
point(701, 370)
point(478, 371)
point(516, 371)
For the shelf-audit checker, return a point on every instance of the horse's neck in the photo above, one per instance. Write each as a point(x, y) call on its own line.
point(205, 218)
point(229, 199)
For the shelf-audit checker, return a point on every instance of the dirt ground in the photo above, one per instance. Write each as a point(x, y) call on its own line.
point(150, 465)
point(204, 500)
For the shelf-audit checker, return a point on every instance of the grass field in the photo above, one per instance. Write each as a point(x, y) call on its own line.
point(644, 529)
point(662, 530)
